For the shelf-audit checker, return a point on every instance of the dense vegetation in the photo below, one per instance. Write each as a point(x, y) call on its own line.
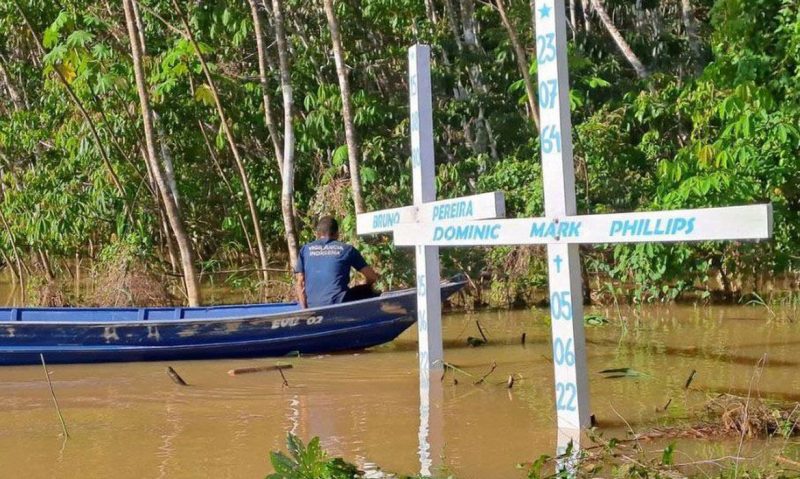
point(139, 130)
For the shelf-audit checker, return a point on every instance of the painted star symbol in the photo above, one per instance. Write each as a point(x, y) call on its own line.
point(544, 11)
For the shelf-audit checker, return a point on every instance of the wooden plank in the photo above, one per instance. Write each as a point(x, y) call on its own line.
point(475, 207)
point(752, 222)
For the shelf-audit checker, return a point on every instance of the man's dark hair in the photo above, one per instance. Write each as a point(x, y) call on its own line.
point(327, 226)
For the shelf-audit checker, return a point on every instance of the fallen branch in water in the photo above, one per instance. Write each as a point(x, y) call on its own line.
point(480, 330)
point(285, 382)
point(55, 401)
point(689, 379)
point(176, 378)
point(483, 378)
point(258, 369)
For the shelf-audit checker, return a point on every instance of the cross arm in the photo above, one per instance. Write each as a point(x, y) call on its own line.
point(751, 222)
point(476, 207)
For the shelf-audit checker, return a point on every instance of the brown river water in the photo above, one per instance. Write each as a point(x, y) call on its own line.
point(131, 421)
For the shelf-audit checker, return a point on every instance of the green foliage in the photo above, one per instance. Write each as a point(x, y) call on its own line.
point(715, 124)
point(308, 462)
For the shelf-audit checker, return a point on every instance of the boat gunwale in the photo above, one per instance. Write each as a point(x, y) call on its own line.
point(153, 322)
point(313, 335)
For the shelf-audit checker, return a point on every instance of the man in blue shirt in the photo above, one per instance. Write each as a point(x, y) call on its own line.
point(323, 269)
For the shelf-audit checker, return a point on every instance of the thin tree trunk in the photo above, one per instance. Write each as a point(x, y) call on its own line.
point(251, 203)
point(17, 259)
point(163, 223)
point(347, 108)
point(263, 70)
point(587, 22)
point(228, 185)
point(5, 77)
point(11, 268)
point(452, 20)
point(171, 209)
point(166, 158)
point(573, 18)
point(46, 268)
point(430, 12)
point(522, 63)
point(623, 46)
point(689, 24)
point(287, 190)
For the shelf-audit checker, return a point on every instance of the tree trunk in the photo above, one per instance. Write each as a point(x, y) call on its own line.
point(251, 202)
point(573, 18)
point(46, 268)
point(687, 14)
point(17, 259)
point(430, 12)
point(5, 78)
point(262, 75)
point(452, 20)
point(623, 46)
point(171, 209)
point(287, 190)
point(585, 10)
point(522, 63)
point(166, 158)
point(228, 185)
point(347, 108)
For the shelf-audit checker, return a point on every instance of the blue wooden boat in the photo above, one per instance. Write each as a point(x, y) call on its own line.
point(88, 335)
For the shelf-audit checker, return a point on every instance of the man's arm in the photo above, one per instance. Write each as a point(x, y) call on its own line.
point(300, 289)
point(370, 274)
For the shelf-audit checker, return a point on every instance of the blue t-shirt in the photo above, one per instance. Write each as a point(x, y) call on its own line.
point(326, 265)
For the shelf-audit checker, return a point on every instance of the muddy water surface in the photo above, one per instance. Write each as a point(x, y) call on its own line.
point(131, 421)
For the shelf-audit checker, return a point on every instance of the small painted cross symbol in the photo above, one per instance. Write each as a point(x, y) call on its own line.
point(557, 260)
point(544, 11)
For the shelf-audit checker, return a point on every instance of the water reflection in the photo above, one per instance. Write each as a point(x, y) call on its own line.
point(431, 421)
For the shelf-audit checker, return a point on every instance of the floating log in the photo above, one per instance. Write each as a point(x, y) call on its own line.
point(258, 369)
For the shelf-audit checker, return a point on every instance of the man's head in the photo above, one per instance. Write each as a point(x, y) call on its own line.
point(327, 227)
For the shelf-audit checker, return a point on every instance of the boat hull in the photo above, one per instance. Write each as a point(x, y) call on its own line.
point(150, 334)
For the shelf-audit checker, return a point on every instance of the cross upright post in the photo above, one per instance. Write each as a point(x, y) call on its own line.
point(558, 171)
point(429, 302)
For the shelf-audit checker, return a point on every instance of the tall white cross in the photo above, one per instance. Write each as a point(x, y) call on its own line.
point(562, 230)
point(426, 210)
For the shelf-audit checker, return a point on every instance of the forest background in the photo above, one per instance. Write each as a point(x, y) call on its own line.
point(158, 146)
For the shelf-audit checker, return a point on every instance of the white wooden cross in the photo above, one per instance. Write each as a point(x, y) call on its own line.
point(562, 230)
point(427, 211)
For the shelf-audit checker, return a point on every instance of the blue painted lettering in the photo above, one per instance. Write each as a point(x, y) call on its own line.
point(466, 232)
point(652, 227)
point(385, 220)
point(564, 229)
point(459, 209)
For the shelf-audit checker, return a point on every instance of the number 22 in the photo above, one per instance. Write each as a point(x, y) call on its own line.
point(564, 402)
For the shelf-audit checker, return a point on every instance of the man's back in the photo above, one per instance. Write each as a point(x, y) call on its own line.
point(325, 264)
